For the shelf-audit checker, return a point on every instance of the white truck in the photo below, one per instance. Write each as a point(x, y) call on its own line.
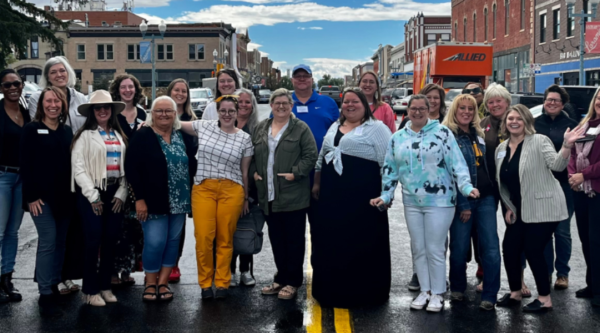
point(210, 83)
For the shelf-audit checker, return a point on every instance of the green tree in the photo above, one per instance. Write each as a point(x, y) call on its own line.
point(327, 80)
point(21, 20)
point(286, 83)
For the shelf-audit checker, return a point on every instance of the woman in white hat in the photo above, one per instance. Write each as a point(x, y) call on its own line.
point(97, 160)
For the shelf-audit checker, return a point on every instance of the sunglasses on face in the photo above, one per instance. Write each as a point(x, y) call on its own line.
point(101, 107)
point(473, 91)
point(16, 84)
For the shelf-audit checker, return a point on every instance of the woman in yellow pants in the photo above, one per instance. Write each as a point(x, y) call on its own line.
point(220, 193)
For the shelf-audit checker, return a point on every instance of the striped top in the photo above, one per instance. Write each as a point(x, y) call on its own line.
point(113, 153)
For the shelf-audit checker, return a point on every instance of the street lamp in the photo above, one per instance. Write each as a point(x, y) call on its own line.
point(222, 60)
point(582, 16)
point(162, 27)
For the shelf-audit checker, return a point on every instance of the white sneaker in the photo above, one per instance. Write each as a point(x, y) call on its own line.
point(93, 300)
point(108, 296)
point(436, 303)
point(234, 280)
point(247, 279)
point(419, 302)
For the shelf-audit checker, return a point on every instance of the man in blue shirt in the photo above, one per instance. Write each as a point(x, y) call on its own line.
point(317, 111)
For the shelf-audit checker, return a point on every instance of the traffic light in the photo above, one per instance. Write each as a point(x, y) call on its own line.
point(212, 74)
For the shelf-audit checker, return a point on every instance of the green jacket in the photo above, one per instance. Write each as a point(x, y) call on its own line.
point(296, 153)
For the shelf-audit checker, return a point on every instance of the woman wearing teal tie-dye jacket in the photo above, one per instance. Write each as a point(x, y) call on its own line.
point(425, 158)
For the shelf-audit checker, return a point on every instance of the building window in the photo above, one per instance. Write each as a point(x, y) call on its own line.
point(506, 16)
point(445, 37)
point(570, 21)
point(431, 39)
point(133, 52)
point(80, 51)
point(35, 47)
point(105, 52)
point(494, 9)
point(523, 14)
point(196, 52)
point(455, 31)
point(556, 24)
point(165, 52)
point(485, 23)
point(465, 29)
point(543, 28)
point(475, 27)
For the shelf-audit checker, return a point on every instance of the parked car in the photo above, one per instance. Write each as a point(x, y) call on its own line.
point(536, 111)
point(450, 95)
point(333, 92)
point(386, 95)
point(264, 95)
point(580, 99)
point(400, 105)
point(529, 100)
point(199, 98)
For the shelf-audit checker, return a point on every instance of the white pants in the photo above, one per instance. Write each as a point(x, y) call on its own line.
point(428, 228)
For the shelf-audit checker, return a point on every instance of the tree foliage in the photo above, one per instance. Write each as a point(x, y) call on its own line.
point(21, 20)
point(327, 80)
point(286, 83)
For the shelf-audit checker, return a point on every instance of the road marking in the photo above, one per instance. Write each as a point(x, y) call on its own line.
point(313, 318)
point(342, 320)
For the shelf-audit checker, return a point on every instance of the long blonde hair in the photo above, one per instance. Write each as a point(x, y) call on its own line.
point(187, 106)
point(591, 115)
point(450, 119)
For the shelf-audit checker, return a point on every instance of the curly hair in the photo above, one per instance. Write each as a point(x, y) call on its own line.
point(116, 84)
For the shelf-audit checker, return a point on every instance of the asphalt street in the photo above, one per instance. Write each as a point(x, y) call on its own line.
point(246, 310)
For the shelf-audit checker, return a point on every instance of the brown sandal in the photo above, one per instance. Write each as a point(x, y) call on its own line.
point(288, 292)
point(272, 289)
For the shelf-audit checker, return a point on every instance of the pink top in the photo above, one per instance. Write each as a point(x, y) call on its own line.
point(384, 113)
point(592, 172)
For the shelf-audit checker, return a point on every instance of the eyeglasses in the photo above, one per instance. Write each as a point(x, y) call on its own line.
point(99, 107)
point(227, 112)
point(356, 89)
point(419, 110)
point(16, 84)
point(473, 91)
point(301, 77)
point(165, 111)
point(553, 101)
point(280, 104)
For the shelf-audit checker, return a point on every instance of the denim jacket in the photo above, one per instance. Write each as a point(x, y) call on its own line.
point(465, 145)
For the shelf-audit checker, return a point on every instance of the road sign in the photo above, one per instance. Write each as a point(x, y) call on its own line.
point(145, 53)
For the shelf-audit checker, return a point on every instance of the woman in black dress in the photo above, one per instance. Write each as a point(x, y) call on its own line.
point(348, 229)
point(128, 254)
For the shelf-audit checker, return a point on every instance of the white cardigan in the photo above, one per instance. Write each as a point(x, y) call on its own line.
point(88, 165)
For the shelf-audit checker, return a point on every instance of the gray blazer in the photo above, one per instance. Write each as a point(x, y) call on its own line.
point(542, 197)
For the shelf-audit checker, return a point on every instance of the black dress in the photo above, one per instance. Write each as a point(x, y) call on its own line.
point(351, 247)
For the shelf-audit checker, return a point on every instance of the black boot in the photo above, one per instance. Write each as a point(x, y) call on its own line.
point(60, 299)
point(4, 297)
point(7, 286)
point(48, 306)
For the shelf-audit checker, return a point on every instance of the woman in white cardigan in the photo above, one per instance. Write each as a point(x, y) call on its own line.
point(97, 158)
point(534, 200)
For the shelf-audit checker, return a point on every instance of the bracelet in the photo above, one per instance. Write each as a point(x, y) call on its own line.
point(566, 145)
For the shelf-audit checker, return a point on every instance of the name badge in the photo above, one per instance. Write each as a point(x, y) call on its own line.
point(358, 131)
point(302, 109)
point(593, 131)
point(501, 154)
point(43, 131)
point(481, 140)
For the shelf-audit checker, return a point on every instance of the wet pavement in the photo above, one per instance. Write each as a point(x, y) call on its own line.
point(246, 310)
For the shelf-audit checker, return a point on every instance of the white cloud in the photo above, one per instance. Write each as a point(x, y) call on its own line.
point(310, 28)
point(264, 1)
point(277, 64)
point(156, 20)
point(252, 46)
point(334, 67)
point(263, 54)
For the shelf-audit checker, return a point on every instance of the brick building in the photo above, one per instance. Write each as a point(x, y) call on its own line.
point(101, 18)
point(556, 45)
point(508, 25)
point(420, 31)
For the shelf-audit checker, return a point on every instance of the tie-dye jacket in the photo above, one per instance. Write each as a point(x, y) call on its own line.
point(428, 164)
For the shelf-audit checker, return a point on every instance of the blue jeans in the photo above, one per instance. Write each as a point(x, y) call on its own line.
point(483, 213)
point(562, 238)
point(52, 239)
point(161, 241)
point(11, 215)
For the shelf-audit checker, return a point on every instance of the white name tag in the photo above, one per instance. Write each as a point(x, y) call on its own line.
point(302, 109)
point(43, 131)
point(481, 140)
point(358, 131)
point(593, 131)
point(501, 154)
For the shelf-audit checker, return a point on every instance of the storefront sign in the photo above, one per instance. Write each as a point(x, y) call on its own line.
point(569, 55)
point(592, 37)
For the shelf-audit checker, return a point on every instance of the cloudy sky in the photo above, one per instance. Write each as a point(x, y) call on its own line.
point(332, 36)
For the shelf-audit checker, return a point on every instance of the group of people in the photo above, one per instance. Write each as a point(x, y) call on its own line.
point(109, 188)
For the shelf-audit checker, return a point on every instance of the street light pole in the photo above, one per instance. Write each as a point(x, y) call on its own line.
point(582, 16)
point(162, 27)
point(222, 60)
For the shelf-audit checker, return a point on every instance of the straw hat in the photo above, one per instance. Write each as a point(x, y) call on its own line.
point(100, 97)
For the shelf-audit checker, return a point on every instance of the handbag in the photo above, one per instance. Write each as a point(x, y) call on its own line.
point(248, 236)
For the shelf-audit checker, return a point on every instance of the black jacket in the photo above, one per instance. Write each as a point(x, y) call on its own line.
point(146, 171)
point(127, 130)
point(46, 167)
point(24, 113)
point(555, 130)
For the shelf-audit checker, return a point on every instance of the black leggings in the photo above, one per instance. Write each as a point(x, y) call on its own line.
point(532, 239)
point(588, 226)
point(245, 260)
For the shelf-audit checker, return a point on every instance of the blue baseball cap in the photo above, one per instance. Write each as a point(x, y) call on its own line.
point(303, 67)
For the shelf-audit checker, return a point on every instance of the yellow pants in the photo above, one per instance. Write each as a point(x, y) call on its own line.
point(216, 205)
